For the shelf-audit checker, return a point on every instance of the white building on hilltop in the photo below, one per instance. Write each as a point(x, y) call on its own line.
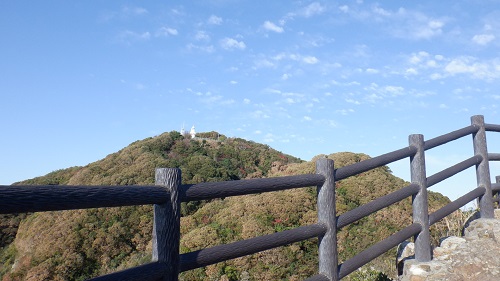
point(192, 132)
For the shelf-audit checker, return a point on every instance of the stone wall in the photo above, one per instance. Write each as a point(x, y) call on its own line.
point(473, 257)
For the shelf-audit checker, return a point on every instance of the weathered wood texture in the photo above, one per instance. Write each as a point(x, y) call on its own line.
point(492, 127)
point(422, 240)
point(375, 205)
point(241, 248)
point(372, 163)
point(20, 199)
point(455, 205)
point(211, 190)
point(147, 272)
point(166, 226)
point(327, 243)
point(376, 250)
point(453, 170)
point(494, 156)
point(440, 140)
point(483, 168)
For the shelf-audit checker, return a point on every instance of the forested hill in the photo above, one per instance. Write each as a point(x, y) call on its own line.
point(76, 245)
point(209, 157)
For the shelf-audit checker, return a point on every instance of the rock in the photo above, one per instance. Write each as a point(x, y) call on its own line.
point(406, 250)
point(473, 257)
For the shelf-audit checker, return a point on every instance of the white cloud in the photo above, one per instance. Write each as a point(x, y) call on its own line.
point(263, 63)
point(380, 11)
point(203, 48)
point(246, 101)
point(202, 36)
point(285, 76)
point(461, 65)
point(312, 9)
point(344, 111)
point(411, 71)
point(372, 71)
point(231, 43)
point(166, 31)
point(307, 118)
point(415, 25)
point(483, 39)
point(344, 8)
point(134, 11)
point(310, 60)
point(128, 36)
point(214, 20)
point(232, 82)
point(269, 138)
point(272, 27)
point(353, 101)
point(259, 114)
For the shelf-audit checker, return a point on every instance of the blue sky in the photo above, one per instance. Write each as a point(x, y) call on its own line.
point(82, 79)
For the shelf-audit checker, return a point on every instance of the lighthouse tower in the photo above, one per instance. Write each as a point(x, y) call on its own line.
point(192, 132)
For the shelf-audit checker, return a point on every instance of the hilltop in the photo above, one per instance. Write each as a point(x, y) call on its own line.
point(75, 245)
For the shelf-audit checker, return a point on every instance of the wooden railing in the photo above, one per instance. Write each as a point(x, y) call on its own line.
point(168, 193)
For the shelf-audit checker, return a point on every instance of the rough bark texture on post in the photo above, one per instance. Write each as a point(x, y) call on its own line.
point(497, 194)
point(483, 168)
point(327, 248)
point(166, 226)
point(419, 200)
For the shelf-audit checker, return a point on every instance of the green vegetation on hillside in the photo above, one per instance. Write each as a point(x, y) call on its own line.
point(75, 245)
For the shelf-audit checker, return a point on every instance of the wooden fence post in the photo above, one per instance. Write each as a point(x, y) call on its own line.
point(497, 194)
point(166, 225)
point(419, 200)
point(327, 247)
point(483, 168)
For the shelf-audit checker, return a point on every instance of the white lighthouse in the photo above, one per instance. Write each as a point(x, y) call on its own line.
point(192, 132)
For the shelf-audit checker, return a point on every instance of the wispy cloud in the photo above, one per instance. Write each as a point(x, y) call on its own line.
point(124, 13)
point(416, 25)
point(202, 36)
point(231, 44)
point(310, 60)
point(483, 39)
point(471, 65)
point(214, 20)
point(128, 36)
point(202, 48)
point(312, 9)
point(166, 31)
point(272, 27)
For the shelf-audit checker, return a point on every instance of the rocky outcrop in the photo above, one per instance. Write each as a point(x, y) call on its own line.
point(474, 257)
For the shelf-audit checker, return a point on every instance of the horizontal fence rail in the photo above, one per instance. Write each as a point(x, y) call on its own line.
point(437, 141)
point(455, 205)
point(154, 271)
point(211, 190)
point(375, 162)
point(238, 249)
point(492, 127)
point(167, 194)
point(376, 205)
point(453, 170)
point(21, 199)
point(376, 250)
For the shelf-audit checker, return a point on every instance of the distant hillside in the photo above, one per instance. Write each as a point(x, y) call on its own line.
point(75, 245)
